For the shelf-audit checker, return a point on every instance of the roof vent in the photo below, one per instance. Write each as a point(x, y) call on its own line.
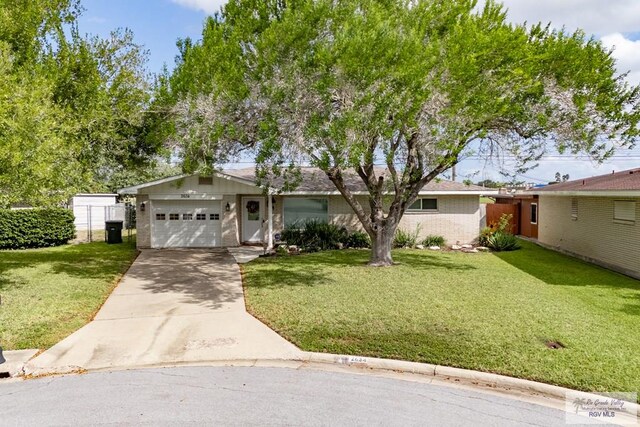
point(205, 180)
point(583, 182)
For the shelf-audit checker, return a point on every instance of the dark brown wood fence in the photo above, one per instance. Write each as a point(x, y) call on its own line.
point(496, 210)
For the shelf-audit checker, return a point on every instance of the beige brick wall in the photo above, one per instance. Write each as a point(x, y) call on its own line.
point(457, 219)
point(594, 234)
point(143, 225)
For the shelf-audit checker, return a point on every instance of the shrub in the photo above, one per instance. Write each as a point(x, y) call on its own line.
point(292, 235)
point(404, 238)
point(35, 228)
point(357, 239)
point(485, 233)
point(503, 226)
point(315, 236)
point(501, 241)
point(433, 240)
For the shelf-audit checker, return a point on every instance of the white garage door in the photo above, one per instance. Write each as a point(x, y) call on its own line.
point(186, 224)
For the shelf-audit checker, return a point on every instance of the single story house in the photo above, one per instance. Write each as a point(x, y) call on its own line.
point(228, 209)
point(597, 219)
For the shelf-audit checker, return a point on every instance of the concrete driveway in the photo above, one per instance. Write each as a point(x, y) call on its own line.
point(171, 307)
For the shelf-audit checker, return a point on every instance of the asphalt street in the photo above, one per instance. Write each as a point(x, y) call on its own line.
point(256, 396)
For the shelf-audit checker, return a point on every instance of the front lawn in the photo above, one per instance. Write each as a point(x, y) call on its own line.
point(489, 312)
point(49, 293)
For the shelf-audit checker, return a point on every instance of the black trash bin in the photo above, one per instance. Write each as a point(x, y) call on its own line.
point(113, 231)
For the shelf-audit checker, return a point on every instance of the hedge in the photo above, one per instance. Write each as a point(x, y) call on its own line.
point(35, 228)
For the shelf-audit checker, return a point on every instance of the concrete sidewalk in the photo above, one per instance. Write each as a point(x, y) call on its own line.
point(172, 307)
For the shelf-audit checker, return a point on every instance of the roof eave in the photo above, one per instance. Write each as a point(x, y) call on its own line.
point(592, 193)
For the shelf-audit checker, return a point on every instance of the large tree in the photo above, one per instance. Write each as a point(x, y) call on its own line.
point(411, 85)
point(72, 108)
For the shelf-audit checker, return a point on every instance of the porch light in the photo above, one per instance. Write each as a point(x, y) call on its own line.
point(143, 205)
point(227, 208)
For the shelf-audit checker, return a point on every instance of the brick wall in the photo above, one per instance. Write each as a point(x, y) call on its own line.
point(594, 234)
point(143, 225)
point(458, 217)
point(230, 228)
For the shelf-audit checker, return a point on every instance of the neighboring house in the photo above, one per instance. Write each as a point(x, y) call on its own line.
point(91, 210)
point(596, 218)
point(228, 209)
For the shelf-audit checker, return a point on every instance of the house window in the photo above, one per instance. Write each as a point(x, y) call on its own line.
point(297, 211)
point(205, 180)
point(624, 211)
point(160, 217)
point(187, 217)
point(174, 217)
point(424, 205)
point(201, 216)
point(534, 213)
point(574, 209)
point(214, 217)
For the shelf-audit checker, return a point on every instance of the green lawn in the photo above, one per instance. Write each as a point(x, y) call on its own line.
point(49, 293)
point(490, 312)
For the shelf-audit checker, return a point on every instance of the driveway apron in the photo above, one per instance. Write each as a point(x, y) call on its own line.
point(171, 307)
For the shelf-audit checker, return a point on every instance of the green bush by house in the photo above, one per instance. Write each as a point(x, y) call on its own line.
point(35, 228)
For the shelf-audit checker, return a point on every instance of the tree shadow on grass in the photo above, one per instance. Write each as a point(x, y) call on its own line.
point(89, 260)
point(555, 268)
point(315, 269)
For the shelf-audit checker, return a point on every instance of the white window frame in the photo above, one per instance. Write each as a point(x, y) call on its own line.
point(537, 213)
point(286, 199)
point(425, 210)
point(625, 220)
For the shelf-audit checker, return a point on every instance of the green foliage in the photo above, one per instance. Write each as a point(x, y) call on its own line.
point(433, 240)
point(358, 240)
point(501, 228)
point(321, 236)
point(71, 109)
point(406, 239)
point(315, 236)
point(344, 85)
point(35, 228)
point(485, 233)
point(500, 241)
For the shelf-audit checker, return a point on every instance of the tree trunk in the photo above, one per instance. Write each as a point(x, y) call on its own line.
point(381, 243)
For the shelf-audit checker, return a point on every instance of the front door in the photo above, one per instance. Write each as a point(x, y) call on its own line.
point(252, 216)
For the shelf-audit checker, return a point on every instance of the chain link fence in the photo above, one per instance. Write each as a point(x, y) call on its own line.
point(90, 221)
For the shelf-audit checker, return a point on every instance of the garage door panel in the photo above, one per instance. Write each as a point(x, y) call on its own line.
point(186, 224)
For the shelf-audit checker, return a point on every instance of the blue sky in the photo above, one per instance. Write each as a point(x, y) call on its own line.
point(158, 24)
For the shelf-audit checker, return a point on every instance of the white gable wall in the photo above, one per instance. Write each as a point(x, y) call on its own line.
point(189, 185)
point(222, 191)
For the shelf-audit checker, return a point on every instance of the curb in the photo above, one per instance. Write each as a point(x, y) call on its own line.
point(459, 376)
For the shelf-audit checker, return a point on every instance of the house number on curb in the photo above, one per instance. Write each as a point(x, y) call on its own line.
point(185, 196)
point(347, 360)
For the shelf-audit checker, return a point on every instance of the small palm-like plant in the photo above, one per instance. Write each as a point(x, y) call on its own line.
point(501, 241)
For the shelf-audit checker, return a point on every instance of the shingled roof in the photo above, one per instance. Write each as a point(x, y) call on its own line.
point(625, 181)
point(316, 181)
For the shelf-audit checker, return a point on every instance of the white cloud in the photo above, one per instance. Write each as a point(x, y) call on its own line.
point(207, 6)
point(597, 17)
point(627, 54)
point(608, 20)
